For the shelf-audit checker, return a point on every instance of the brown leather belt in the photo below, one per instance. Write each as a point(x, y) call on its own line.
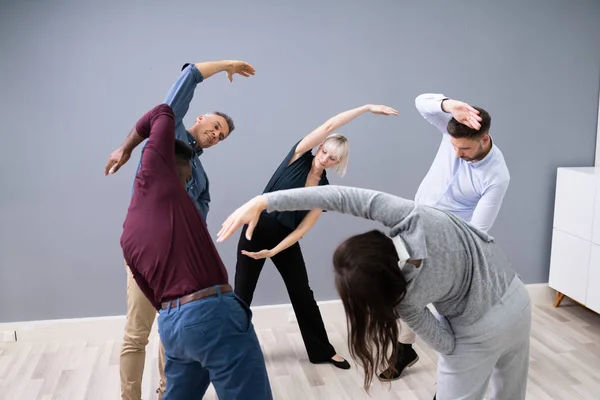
point(200, 294)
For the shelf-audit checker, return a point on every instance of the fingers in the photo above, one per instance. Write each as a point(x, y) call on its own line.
point(256, 255)
point(249, 68)
point(471, 122)
point(472, 117)
point(111, 167)
point(108, 167)
point(468, 116)
point(385, 110)
point(244, 69)
point(471, 125)
point(475, 123)
point(225, 234)
point(250, 229)
point(221, 230)
point(231, 224)
point(472, 109)
point(475, 114)
point(225, 231)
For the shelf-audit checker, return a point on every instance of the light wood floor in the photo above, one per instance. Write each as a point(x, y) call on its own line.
point(565, 364)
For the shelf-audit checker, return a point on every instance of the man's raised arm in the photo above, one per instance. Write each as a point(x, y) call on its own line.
point(158, 126)
point(438, 110)
point(429, 106)
point(182, 92)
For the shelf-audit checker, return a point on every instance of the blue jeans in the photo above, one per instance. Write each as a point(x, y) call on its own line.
point(212, 340)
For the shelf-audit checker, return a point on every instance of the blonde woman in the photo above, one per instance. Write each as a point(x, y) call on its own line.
point(276, 234)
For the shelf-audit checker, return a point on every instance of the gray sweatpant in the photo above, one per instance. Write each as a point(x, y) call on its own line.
point(496, 346)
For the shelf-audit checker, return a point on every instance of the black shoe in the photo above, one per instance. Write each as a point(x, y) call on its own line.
point(340, 364)
point(407, 357)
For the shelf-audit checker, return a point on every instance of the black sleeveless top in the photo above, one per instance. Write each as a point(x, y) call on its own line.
point(291, 177)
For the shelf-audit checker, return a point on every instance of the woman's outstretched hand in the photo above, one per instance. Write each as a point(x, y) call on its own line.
point(246, 214)
point(257, 255)
point(382, 110)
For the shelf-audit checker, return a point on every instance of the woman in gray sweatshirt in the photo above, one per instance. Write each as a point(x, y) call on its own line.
point(482, 325)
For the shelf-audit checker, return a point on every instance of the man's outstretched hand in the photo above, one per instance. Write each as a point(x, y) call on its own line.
point(239, 67)
point(463, 113)
point(116, 160)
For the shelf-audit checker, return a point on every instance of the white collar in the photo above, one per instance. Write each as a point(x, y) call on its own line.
point(401, 250)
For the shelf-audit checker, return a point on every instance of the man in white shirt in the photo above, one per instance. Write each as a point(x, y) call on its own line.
point(467, 178)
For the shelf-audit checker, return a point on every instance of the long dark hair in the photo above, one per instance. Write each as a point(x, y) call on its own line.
point(370, 285)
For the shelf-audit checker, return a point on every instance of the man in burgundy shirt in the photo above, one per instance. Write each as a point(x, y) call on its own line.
point(206, 330)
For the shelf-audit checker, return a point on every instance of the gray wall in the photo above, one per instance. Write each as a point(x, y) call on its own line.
point(75, 76)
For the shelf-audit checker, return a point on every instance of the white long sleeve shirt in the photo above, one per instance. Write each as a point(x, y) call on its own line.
point(473, 191)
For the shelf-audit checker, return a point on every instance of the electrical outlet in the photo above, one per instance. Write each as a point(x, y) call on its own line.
point(9, 336)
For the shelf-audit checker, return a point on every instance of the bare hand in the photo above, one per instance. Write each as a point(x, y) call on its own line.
point(382, 110)
point(239, 67)
point(116, 160)
point(246, 214)
point(258, 254)
point(463, 113)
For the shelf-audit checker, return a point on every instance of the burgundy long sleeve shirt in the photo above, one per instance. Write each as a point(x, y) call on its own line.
point(165, 240)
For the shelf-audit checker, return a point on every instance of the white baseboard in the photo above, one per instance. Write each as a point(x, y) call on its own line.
point(541, 293)
point(111, 327)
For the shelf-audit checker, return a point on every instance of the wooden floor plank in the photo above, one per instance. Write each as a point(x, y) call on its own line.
point(565, 360)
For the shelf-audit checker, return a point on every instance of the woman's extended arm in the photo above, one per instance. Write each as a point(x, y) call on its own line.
point(307, 223)
point(370, 204)
point(391, 211)
point(332, 124)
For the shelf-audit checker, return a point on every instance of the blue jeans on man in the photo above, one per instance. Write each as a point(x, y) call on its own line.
point(212, 340)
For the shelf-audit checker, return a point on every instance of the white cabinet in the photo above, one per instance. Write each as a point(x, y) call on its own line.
point(593, 288)
point(569, 265)
point(596, 226)
point(575, 254)
point(575, 201)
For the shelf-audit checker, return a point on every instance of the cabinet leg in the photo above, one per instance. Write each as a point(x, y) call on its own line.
point(558, 299)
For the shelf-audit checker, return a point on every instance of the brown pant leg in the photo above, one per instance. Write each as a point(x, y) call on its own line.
point(140, 317)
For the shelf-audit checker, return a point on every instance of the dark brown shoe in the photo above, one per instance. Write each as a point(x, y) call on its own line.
point(407, 357)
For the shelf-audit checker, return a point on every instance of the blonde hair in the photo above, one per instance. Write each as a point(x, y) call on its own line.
point(338, 145)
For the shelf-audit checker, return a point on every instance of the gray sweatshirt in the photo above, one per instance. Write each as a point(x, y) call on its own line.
point(463, 273)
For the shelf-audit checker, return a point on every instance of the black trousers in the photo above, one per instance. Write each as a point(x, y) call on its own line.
point(290, 264)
